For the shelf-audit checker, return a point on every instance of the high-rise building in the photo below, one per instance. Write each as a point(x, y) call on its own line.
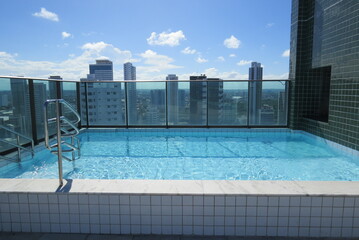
point(104, 99)
point(215, 101)
point(255, 93)
point(129, 72)
point(173, 99)
point(198, 99)
point(20, 106)
point(53, 87)
point(101, 71)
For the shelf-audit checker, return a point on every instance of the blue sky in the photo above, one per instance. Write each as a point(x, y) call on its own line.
point(187, 37)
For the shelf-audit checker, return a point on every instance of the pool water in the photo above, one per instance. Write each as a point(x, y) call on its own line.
point(186, 155)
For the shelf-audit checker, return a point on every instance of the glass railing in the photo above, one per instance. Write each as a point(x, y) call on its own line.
point(174, 103)
point(177, 103)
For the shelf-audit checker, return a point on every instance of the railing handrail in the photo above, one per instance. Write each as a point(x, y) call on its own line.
point(16, 133)
point(142, 80)
point(68, 105)
point(17, 144)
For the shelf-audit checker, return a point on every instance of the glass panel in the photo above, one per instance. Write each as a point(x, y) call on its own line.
point(191, 101)
point(198, 102)
point(105, 103)
point(227, 103)
point(69, 94)
point(44, 90)
point(14, 110)
point(178, 103)
point(83, 103)
point(146, 103)
point(268, 103)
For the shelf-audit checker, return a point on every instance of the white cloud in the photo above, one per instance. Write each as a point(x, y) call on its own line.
point(244, 62)
point(215, 73)
point(269, 25)
point(66, 35)
point(166, 38)
point(47, 15)
point(188, 50)
point(232, 42)
point(232, 55)
point(73, 68)
point(220, 58)
point(156, 62)
point(201, 60)
point(286, 53)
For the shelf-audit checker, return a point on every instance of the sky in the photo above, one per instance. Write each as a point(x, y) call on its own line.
point(218, 38)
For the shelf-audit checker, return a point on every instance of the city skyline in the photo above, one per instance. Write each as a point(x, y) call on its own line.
point(159, 40)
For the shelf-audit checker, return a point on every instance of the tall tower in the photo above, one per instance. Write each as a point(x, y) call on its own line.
point(104, 105)
point(20, 106)
point(173, 99)
point(215, 101)
point(198, 99)
point(255, 93)
point(129, 72)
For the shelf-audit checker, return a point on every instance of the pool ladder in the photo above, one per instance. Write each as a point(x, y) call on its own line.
point(65, 130)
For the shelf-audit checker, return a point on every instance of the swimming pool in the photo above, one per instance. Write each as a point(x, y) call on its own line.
point(195, 155)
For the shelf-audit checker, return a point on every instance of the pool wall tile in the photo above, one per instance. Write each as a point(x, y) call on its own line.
point(234, 215)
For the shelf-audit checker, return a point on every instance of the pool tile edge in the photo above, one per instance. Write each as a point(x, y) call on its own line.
point(183, 187)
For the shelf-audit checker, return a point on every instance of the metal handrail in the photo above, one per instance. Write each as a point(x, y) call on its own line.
point(58, 120)
point(18, 144)
point(68, 105)
point(16, 133)
point(71, 123)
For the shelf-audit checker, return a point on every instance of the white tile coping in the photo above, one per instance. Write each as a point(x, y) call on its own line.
point(183, 187)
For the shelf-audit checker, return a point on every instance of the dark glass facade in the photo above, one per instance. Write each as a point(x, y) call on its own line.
point(324, 69)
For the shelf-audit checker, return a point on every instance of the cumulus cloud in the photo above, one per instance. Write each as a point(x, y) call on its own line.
point(166, 38)
point(156, 62)
point(188, 50)
point(215, 73)
point(286, 53)
point(73, 68)
point(232, 55)
point(47, 15)
point(220, 58)
point(201, 60)
point(244, 62)
point(232, 42)
point(66, 35)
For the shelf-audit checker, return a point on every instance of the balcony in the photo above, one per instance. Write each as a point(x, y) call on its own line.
point(143, 104)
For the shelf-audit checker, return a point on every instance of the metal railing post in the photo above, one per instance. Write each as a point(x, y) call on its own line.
point(18, 149)
point(59, 149)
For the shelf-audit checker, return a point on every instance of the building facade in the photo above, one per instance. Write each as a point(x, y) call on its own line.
point(104, 99)
point(255, 93)
point(173, 99)
point(129, 74)
point(324, 63)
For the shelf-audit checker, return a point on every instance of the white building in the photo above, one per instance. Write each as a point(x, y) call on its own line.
point(104, 99)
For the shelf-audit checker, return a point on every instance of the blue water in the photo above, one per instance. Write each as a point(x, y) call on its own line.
point(207, 156)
